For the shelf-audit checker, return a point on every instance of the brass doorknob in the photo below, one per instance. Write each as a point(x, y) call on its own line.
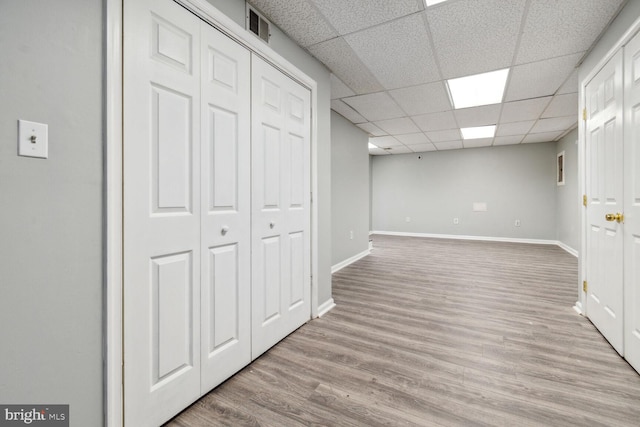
point(614, 217)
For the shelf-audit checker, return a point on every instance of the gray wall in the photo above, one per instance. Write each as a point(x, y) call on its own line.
point(235, 9)
point(516, 182)
point(568, 199)
point(51, 217)
point(349, 189)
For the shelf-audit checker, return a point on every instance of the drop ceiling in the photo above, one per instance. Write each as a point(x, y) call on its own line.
point(390, 60)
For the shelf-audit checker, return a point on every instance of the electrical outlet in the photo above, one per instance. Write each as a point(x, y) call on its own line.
point(351, 235)
point(456, 221)
point(517, 223)
point(407, 219)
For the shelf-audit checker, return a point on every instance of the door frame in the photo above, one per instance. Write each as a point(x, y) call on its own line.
point(581, 306)
point(113, 360)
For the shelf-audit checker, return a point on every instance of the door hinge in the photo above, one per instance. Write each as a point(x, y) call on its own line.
point(311, 197)
point(584, 286)
point(584, 200)
point(584, 114)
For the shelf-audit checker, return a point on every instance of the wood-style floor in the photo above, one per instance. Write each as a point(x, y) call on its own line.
point(436, 332)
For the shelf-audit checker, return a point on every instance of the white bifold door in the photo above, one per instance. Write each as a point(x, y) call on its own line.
point(192, 315)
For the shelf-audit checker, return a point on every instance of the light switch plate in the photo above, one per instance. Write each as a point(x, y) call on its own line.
point(33, 139)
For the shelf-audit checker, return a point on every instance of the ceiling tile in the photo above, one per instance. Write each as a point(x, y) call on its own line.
point(449, 145)
point(540, 78)
point(444, 135)
point(397, 53)
point(475, 143)
point(371, 129)
point(384, 141)
point(299, 19)
point(400, 149)
point(519, 111)
point(541, 137)
point(555, 124)
point(571, 85)
point(515, 128)
point(421, 148)
point(478, 116)
point(378, 152)
point(397, 126)
point(472, 37)
point(555, 28)
point(436, 121)
point(413, 139)
point(368, 12)
point(338, 56)
point(508, 140)
point(339, 89)
point(427, 98)
point(562, 105)
point(375, 106)
point(347, 112)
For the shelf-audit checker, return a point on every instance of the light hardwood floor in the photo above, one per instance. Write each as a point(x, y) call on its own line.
point(438, 332)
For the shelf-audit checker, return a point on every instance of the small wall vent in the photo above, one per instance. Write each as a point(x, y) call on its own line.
point(258, 25)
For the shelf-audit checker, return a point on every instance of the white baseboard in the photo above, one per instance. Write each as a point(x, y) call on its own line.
point(346, 262)
point(578, 308)
point(326, 307)
point(482, 238)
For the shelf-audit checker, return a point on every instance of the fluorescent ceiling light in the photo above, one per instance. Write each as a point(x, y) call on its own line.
point(479, 89)
point(372, 146)
point(432, 2)
point(478, 132)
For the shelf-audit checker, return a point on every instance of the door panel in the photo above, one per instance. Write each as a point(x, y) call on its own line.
point(281, 206)
point(632, 204)
point(604, 144)
point(161, 211)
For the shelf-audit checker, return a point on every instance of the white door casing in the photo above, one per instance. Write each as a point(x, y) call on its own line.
point(604, 187)
point(632, 203)
point(161, 210)
point(280, 205)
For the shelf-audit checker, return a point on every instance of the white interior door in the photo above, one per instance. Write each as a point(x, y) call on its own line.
point(281, 205)
point(226, 207)
point(604, 188)
point(632, 203)
point(161, 210)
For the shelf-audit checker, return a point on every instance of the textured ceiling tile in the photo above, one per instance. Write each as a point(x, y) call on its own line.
point(541, 137)
point(515, 128)
point(474, 36)
point(508, 140)
point(427, 98)
point(299, 19)
point(475, 143)
point(397, 126)
point(384, 141)
point(397, 53)
point(555, 124)
point(444, 135)
point(347, 112)
point(413, 139)
point(339, 89)
point(449, 145)
point(540, 78)
point(400, 149)
point(371, 129)
point(478, 116)
point(556, 28)
point(341, 13)
point(435, 121)
point(519, 111)
point(562, 105)
point(338, 56)
point(378, 152)
point(375, 106)
point(571, 85)
point(421, 148)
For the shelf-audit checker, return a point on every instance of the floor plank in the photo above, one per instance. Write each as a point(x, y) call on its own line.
point(437, 332)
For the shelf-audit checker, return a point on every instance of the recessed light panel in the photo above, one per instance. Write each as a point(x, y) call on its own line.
point(479, 89)
point(372, 146)
point(432, 2)
point(478, 132)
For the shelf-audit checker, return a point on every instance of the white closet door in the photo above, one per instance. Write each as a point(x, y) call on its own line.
point(226, 207)
point(632, 204)
point(604, 144)
point(281, 205)
point(161, 210)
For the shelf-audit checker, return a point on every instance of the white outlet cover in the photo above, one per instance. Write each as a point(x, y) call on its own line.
point(29, 147)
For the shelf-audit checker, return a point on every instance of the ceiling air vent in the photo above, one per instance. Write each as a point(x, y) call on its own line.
point(257, 24)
